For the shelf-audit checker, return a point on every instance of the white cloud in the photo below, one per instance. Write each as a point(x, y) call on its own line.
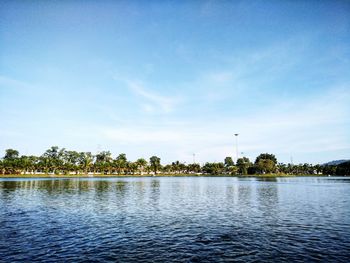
point(6, 82)
point(153, 102)
point(300, 127)
point(136, 135)
point(148, 108)
point(222, 77)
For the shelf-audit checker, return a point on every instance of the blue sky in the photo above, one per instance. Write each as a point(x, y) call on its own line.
point(173, 78)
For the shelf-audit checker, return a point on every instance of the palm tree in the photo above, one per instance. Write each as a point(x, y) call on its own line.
point(54, 159)
point(121, 163)
point(155, 163)
point(103, 161)
point(11, 162)
point(141, 164)
point(71, 161)
point(85, 161)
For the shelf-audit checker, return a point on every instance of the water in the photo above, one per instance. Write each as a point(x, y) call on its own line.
point(205, 219)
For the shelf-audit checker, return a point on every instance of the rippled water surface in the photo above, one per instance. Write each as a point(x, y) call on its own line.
point(175, 219)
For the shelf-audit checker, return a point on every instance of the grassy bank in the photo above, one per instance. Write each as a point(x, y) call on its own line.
point(147, 175)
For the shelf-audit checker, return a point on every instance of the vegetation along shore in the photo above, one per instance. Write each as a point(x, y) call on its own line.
point(56, 162)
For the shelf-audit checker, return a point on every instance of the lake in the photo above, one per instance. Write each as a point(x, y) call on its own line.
point(175, 219)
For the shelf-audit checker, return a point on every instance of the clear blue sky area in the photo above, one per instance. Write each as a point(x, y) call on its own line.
point(173, 78)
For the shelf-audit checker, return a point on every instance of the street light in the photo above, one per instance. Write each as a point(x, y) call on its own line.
point(236, 135)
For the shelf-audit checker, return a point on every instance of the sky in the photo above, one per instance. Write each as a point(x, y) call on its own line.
point(177, 78)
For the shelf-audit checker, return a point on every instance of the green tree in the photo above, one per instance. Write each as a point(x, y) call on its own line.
point(343, 168)
point(194, 168)
point(266, 156)
point(243, 164)
point(85, 161)
point(229, 162)
point(71, 161)
point(103, 162)
point(329, 169)
point(27, 163)
point(318, 168)
point(233, 170)
point(104, 156)
point(266, 166)
point(282, 168)
point(141, 164)
point(230, 166)
point(121, 163)
point(2, 168)
point(44, 164)
point(11, 154)
point(11, 162)
point(132, 167)
point(54, 158)
point(155, 164)
point(178, 167)
point(266, 163)
point(213, 168)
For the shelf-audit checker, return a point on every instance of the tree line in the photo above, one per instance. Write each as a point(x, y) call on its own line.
point(62, 161)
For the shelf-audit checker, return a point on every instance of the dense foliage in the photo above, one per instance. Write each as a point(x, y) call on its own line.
point(62, 161)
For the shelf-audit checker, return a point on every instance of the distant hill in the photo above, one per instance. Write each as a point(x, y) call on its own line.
point(336, 162)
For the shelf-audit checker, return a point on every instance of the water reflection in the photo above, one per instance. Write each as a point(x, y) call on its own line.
point(244, 194)
point(268, 197)
point(155, 192)
point(230, 193)
point(101, 187)
point(267, 179)
point(168, 219)
point(120, 188)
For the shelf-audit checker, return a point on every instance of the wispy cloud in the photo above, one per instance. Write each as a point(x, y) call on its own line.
point(252, 71)
point(300, 127)
point(153, 102)
point(6, 82)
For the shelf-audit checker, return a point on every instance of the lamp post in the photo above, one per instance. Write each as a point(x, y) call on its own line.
point(236, 135)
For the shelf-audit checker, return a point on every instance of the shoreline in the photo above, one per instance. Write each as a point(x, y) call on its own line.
point(50, 176)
